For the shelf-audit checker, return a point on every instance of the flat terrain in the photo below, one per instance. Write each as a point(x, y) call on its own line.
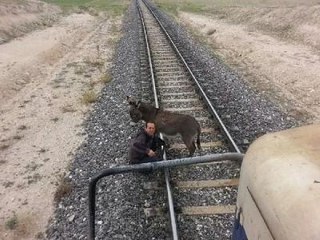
point(52, 66)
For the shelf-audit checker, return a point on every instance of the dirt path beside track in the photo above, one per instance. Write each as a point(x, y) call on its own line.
point(285, 69)
point(48, 78)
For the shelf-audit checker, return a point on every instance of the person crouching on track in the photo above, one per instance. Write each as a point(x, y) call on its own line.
point(143, 147)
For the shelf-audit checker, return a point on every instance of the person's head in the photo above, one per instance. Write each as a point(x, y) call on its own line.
point(150, 128)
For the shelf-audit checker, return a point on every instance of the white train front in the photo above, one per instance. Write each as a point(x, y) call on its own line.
point(279, 190)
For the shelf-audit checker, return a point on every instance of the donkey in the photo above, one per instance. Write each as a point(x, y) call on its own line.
point(168, 123)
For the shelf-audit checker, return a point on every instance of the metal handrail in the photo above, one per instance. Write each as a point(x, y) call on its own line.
point(152, 166)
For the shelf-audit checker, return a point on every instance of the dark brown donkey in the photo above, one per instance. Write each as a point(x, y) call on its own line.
point(168, 123)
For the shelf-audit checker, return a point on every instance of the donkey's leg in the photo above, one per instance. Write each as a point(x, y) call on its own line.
point(198, 139)
point(189, 142)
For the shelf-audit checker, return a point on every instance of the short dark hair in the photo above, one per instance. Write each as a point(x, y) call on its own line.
point(149, 122)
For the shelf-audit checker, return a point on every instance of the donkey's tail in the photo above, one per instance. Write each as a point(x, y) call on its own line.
point(198, 138)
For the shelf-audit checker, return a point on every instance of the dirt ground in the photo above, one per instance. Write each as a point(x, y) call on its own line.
point(277, 50)
point(52, 67)
point(48, 77)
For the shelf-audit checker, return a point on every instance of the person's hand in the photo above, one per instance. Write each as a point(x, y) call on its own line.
point(151, 153)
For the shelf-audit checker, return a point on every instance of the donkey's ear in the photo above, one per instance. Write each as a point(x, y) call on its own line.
point(138, 104)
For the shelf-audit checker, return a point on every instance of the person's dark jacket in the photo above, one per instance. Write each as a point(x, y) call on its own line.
point(141, 145)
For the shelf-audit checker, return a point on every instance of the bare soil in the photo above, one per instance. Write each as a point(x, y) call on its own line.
point(276, 49)
point(52, 65)
point(48, 78)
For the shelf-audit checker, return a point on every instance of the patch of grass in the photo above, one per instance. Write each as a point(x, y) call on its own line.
point(171, 7)
point(195, 7)
point(182, 5)
point(12, 222)
point(63, 189)
point(106, 78)
point(198, 6)
point(33, 166)
point(113, 7)
point(20, 226)
point(89, 97)
point(34, 178)
point(209, 6)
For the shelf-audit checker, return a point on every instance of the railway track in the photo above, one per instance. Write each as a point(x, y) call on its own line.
point(200, 202)
point(203, 194)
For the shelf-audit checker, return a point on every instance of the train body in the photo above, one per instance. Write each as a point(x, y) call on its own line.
point(279, 188)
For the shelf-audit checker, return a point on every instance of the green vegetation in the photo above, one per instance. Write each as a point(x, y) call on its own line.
point(201, 6)
point(113, 7)
point(12, 222)
point(106, 78)
point(181, 5)
point(198, 6)
point(89, 97)
point(63, 189)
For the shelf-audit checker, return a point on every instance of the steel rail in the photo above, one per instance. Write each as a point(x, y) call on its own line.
point(173, 220)
point(156, 165)
point(203, 94)
point(152, 166)
point(213, 111)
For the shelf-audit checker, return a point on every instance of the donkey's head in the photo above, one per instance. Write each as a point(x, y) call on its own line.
point(135, 114)
point(141, 111)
